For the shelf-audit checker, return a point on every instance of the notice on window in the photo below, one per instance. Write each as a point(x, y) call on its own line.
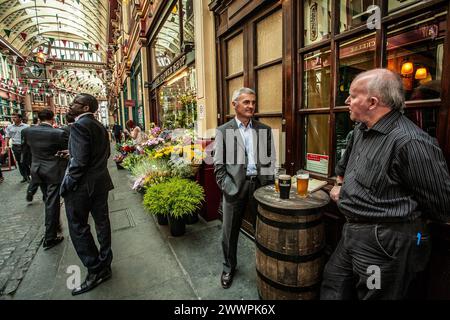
point(317, 163)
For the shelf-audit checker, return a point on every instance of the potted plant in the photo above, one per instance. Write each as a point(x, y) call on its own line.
point(175, 198)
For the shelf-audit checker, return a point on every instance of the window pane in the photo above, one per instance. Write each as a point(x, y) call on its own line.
point(269, 35)
point(426, 119)
point(316, 152)
point(343, 127)
point(235, 55)
point(397, 5)
point(354, 13)
point(317, 20)
point(278, 138)
point(167, 44)
point(316, 79)
point(355, 56)
point(188, 21)
point(270, 89)
point(233, 85)
point(415, 51)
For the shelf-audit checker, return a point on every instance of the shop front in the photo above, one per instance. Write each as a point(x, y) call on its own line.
point(173, 84)
point(301, 57)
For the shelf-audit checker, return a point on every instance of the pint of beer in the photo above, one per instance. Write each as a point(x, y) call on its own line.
point(302, 183)
point(278, 172)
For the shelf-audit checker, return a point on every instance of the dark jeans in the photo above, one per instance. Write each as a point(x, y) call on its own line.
point(391, 247)
point(24, 169)
point(78, 205)
point(233, 211)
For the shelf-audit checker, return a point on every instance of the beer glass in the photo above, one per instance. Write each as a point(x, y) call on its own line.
point(302, 183)
point(284, 183)
point(278, 171)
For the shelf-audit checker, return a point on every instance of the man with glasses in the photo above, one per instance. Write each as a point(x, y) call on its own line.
point(85, 190)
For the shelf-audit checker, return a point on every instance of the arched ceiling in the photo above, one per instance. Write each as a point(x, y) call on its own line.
point(82, 21)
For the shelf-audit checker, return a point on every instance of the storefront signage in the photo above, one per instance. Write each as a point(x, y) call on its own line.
point(177, 65)
point(79, 65)
point(317, 163)
point(359, 47)
point(313, 22)
point(129, 103)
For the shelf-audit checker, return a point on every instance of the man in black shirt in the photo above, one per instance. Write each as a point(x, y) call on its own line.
point(392, 180)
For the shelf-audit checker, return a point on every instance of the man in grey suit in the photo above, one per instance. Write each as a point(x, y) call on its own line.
point(85, 190)
point(244, 160)
point(41, 143)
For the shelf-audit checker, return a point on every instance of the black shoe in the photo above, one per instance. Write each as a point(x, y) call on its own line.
point(48, 244)
point(93, 280)
point(227, 279)
point(23, 180)
point(29, 196)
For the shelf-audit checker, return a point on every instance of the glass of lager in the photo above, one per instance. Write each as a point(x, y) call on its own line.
point(278, 172)
point(302, 183)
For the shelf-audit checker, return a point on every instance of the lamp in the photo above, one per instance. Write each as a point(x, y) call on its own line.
point(407, 68)
point(421, 73)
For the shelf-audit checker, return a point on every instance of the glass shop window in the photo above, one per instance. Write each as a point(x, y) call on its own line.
point(317, 79)
point(343, 130)
point(415, 50)
point(354, 13)
point(316, 148)
point(355, 56)
point(317, 21)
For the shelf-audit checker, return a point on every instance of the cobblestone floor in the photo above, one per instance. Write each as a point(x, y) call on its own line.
point(21, 231)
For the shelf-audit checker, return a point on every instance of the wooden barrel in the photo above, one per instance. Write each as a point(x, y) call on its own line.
point(289, 245)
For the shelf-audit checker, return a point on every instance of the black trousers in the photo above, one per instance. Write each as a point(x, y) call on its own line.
point(393, 249)
point(79, 204)
point(52, 209)
point(233, 212)
point(24, 169)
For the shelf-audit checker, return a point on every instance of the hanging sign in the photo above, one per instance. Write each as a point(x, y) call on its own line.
point(174, 67)
point(129, 103)
point(317, 163)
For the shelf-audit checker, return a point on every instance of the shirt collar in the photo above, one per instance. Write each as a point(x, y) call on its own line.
point(385, 124)
point(20, 125)
point(240, 124)
point(46, 124)
point(82, 115)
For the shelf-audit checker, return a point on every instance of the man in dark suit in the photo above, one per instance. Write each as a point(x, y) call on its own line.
point(41, 144)
point(244, 160)
point(85, 190)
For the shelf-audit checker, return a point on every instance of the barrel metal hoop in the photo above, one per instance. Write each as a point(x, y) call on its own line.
point(283, 287)
point(290, 258)
point(286, 212)
point(288, 225)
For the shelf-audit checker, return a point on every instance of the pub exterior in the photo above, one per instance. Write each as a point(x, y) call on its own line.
point(301, 57)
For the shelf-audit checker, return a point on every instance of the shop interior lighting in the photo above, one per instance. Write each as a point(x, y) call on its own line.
point(421, 73)
point(407, 68)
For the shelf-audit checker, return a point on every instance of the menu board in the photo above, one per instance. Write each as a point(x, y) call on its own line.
point(317, 163)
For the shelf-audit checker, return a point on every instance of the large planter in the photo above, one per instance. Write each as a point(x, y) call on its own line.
point(119, 166)
point(162, 220)
point(191, 218)
point(177, 226)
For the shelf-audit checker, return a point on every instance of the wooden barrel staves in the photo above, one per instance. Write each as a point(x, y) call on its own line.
point(289, 245)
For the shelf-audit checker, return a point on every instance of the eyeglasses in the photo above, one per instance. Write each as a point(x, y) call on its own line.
point(75, 102)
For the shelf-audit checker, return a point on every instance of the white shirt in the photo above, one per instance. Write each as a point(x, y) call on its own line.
point(247, 137)
point(15, 132)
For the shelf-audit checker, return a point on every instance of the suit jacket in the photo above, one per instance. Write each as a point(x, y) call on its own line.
point(89, 151)
point(40, 144)
point(230, 158)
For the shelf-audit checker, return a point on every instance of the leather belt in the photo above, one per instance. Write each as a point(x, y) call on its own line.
point(251, 178)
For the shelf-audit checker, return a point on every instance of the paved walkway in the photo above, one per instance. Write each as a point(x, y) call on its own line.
point(148, 263)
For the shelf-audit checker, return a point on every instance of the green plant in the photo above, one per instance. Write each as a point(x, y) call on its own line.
point(177, 197)
point(131, 160)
